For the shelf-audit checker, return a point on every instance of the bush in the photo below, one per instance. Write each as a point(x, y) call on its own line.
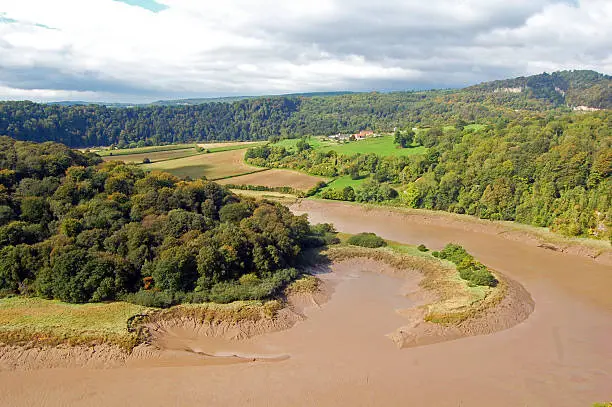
point(367, 240)
point(251, 288)
point(474, 272)
point(422, 248)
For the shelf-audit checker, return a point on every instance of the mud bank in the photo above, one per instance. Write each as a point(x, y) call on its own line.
point(593, 249)
point(512, 306)
point(173, 336)
point(165, 336)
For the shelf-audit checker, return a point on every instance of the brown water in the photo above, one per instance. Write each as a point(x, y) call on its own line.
point(561, 355)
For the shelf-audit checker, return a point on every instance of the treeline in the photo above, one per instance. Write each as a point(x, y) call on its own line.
point(540, 171)
point(264, 117)
point(79, 231)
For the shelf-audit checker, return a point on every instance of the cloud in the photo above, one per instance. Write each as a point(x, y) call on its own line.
point(128, 50)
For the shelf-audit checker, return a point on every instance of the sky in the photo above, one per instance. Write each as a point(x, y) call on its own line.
point(145, 50)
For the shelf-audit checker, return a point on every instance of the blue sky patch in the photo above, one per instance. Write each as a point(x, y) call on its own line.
point(5, 19)
point(150, 5)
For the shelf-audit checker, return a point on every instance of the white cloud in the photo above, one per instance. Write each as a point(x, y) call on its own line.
point(107, 49)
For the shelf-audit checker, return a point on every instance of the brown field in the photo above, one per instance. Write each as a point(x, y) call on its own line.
point(153, 156)
point(213, 166)
point(276, 178)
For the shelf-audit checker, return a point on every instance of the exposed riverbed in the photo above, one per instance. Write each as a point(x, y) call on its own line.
point(341, 353)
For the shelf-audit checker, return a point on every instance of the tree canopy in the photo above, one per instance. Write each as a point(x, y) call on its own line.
point(77, 230)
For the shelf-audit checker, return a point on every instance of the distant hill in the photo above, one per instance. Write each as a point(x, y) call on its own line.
point(229, 99)
point(80, 124)
point(572, 88)
point(84, 103)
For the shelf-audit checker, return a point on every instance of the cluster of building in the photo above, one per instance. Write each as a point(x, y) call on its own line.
point(362, 135)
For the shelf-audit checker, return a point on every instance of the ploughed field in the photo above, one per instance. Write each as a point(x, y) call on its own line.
point(344, 352)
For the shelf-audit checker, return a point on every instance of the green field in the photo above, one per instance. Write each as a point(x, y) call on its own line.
point(382, 146)
point(315, 142)
point(346, 181)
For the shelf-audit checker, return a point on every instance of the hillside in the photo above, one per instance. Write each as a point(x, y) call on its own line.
point(573, 88)
point(296, 115)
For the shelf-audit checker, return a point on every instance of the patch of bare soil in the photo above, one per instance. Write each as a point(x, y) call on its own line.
point(98, 356)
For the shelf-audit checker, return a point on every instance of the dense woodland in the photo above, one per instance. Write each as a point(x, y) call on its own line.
point(78, 231)
point(261, 118)
point(544, 171)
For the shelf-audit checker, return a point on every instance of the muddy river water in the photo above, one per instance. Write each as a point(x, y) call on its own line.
point(560, 356)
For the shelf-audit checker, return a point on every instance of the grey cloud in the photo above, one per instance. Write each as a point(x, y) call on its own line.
point(439, 43)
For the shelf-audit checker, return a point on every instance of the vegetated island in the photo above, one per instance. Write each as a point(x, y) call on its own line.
point(96, 259)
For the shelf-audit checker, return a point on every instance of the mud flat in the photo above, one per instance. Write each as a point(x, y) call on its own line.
point(599, 250)
point(343, 352)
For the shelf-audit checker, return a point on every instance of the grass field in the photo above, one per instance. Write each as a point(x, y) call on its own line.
point(139, 150)
point(276, 178)
point(382, 146)
point(213, 166)
point(25, 320)
point(346, 181)
point(153, 156)
point(315, 142)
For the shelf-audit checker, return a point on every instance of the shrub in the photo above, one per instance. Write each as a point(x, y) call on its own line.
point(155, 299)
point(367, 240)
point(251, 289)
point(474, 272)
point(422, 248)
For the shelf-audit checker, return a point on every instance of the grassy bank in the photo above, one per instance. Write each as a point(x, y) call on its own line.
point(39, 322)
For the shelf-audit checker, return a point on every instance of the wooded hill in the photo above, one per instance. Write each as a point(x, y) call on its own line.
point(260, 118)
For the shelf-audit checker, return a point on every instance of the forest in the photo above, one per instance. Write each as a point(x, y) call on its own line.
point(77, 230)
point(297, 115)
point(553, 171)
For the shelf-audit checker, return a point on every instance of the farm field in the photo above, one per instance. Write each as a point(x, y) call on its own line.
point(315, 142)
point(213, 166)
point(264, 194)
point(153, 156)
point(346, 181)
point(382, 146)
point(276, 178)
point(139, 150)
point(237, 144)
